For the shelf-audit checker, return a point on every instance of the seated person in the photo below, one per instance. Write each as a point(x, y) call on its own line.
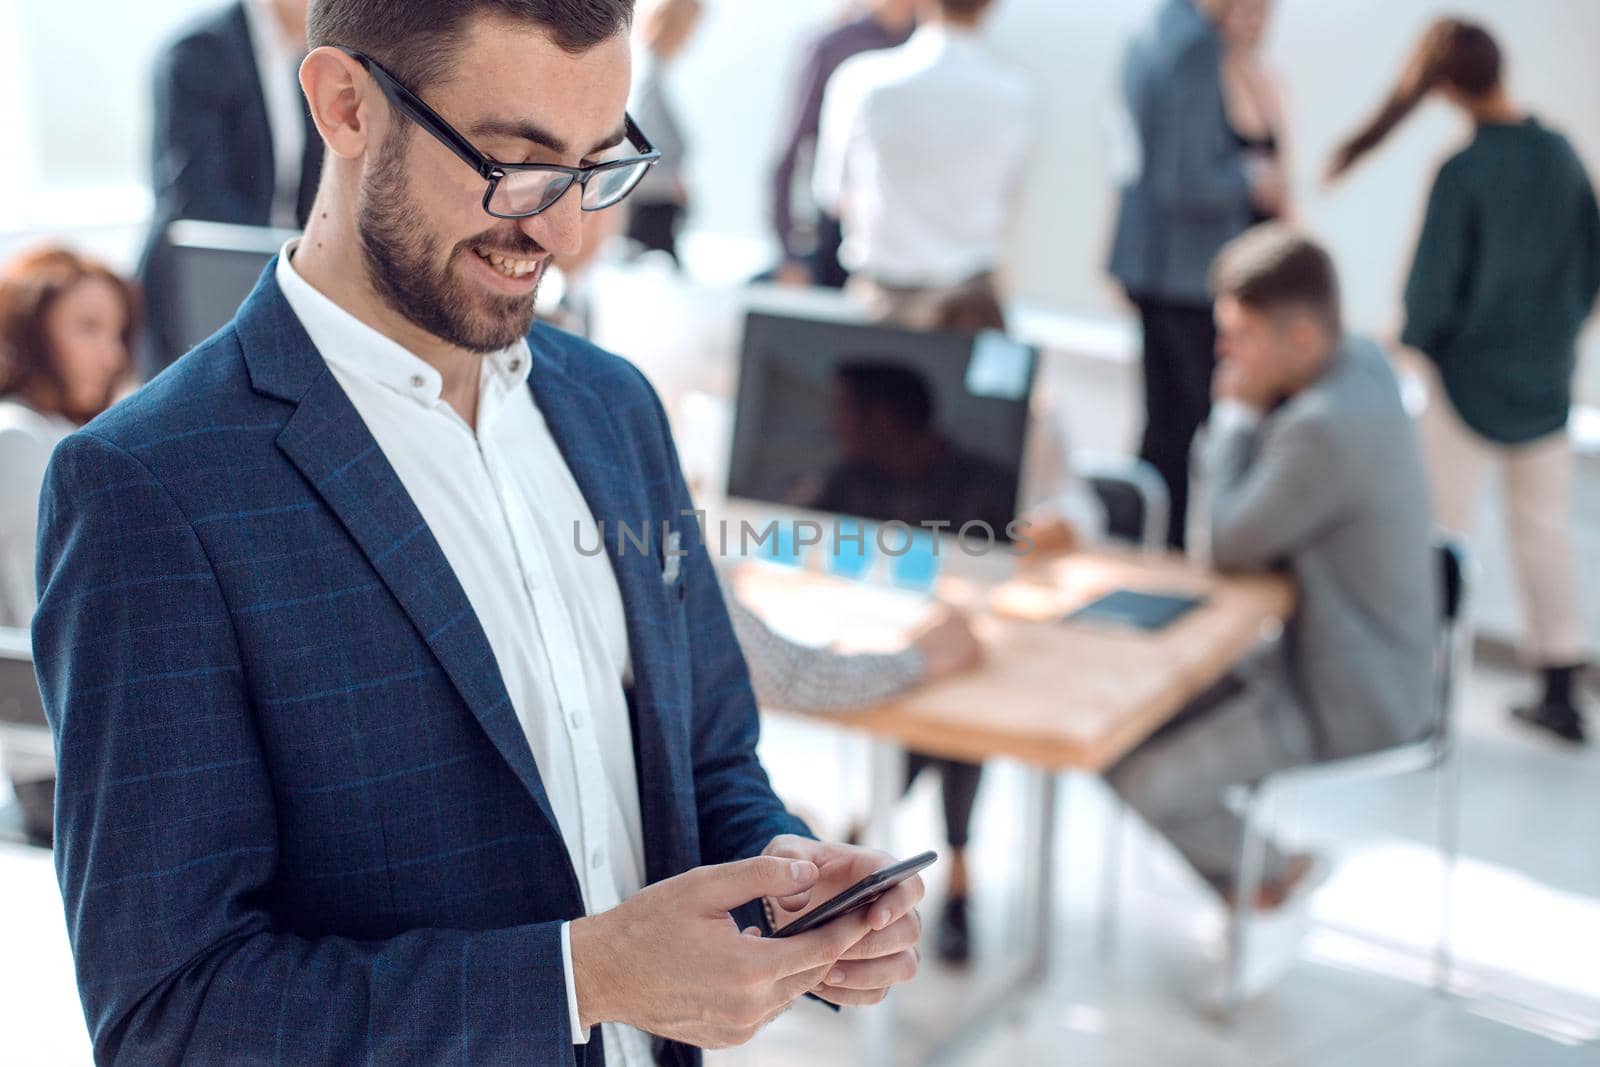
point(66, 329)
point(1311, 465)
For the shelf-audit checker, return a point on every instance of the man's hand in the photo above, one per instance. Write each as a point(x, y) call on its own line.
point(1233, 381)
point(947, 645)
point(886, 955)
point(670, 960)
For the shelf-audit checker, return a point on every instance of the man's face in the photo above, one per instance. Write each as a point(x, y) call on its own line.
point(1256, 342)
point(432, 252)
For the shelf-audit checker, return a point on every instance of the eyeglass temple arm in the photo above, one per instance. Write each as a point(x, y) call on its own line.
point(416, 109)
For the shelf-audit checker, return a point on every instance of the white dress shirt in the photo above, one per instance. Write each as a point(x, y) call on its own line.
point(276, 59)
point(920, 153)
point(502, 502)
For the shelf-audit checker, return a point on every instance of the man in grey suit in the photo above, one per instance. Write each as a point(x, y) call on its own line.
point(1190, 187)
point(1309, 464)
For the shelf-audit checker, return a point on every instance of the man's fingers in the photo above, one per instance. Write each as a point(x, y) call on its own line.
point(895, 904)
point(819, 947)
point(851, 998)
point(879, 973)
point(902, 934)
point(726, 886)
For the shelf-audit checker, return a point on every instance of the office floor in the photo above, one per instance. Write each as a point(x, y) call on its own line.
point(1527, 929)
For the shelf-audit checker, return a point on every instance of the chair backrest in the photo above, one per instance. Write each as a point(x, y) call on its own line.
point(1133, 495)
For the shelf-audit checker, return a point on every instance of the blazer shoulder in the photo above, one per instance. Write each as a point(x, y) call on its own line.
point(216, 44)
point(604, 372)
point(205, 396)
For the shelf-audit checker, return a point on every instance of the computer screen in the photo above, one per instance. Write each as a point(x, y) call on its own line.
point(881, 424)
point(215, 266)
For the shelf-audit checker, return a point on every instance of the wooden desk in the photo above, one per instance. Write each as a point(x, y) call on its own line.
point(1065, 696)
point(1053, 695)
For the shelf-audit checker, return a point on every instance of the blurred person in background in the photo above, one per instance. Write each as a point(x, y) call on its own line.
point(920, 153)
point(1195, 186)
point(232, 141)
point(1309, 464)
point(658, 206)
point(66, 329)
point(810, 246)
point(1505, 273)
point(1253, 95)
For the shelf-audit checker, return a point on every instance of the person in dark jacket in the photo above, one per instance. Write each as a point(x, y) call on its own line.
point(1506, 272)
point(1195, 187)
point(232, 142)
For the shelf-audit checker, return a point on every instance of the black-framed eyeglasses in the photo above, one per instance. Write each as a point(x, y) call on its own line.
point(522, 190)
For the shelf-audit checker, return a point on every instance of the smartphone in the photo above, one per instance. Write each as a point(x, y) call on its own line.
point(859, 895)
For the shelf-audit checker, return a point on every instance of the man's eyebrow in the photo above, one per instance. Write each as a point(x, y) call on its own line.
point(525, 130)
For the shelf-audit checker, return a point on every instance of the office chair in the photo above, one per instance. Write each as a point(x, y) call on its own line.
point(1137, 504)
point(1434, 751)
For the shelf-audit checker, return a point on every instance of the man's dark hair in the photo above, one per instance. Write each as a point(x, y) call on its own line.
point(890, 387)
point(1274, 267)
point(416, 40)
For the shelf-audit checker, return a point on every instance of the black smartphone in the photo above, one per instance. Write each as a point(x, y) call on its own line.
point(859, 895)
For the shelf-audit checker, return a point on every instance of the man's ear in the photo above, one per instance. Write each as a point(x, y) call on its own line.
point(339, 92)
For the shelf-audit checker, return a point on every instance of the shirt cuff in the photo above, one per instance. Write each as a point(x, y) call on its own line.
point(1233, 414)
point(580, 1036)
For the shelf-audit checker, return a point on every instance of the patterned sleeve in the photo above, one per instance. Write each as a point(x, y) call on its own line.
point(796, 677)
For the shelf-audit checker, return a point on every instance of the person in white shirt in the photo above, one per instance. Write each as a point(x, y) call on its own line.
point(66, 324)
point(920, 154)
point(657, 208)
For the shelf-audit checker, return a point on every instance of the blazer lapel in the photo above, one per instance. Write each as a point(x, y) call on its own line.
point(326, 439)
point(614, 489)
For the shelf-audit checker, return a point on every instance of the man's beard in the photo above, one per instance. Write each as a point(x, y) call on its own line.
point(401, 262)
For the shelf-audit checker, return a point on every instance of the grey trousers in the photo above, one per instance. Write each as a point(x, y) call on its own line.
point(1177, 780)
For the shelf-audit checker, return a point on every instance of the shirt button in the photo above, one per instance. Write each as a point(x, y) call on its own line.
point(574, 720)
point(597, 859)
point(418, 381)
point(516, 365)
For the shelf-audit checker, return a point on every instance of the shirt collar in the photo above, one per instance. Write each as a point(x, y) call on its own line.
point(355, 347)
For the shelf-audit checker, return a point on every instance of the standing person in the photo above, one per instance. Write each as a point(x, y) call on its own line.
point(1253, 94)
point(1196, 188)
point(657, 208)
point(883, 24)
point(1505, 273)
point(900, 131)
point(366, 754)
point(233, 141)
point(66, 329)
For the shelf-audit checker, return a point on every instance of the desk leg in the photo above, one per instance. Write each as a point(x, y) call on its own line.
point(875, 1026)
point(1007, 996)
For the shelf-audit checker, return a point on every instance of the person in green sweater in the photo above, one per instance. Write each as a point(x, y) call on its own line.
point(1506, 271)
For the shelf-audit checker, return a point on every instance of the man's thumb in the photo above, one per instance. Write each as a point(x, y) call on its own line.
point(728, 885)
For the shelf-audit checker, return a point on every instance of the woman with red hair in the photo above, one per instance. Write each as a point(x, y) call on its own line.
point(66, 330)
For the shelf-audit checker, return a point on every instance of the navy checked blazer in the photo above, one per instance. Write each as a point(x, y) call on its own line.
point(297, 820)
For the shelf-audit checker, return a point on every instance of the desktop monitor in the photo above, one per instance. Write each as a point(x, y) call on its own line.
point(214, 267)
point(881, 424)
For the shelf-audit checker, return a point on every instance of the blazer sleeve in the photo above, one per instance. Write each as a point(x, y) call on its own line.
point(193, 118)
point(1189, 175)
point(166, 839)
point(1258, 489)
point(739, 813)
